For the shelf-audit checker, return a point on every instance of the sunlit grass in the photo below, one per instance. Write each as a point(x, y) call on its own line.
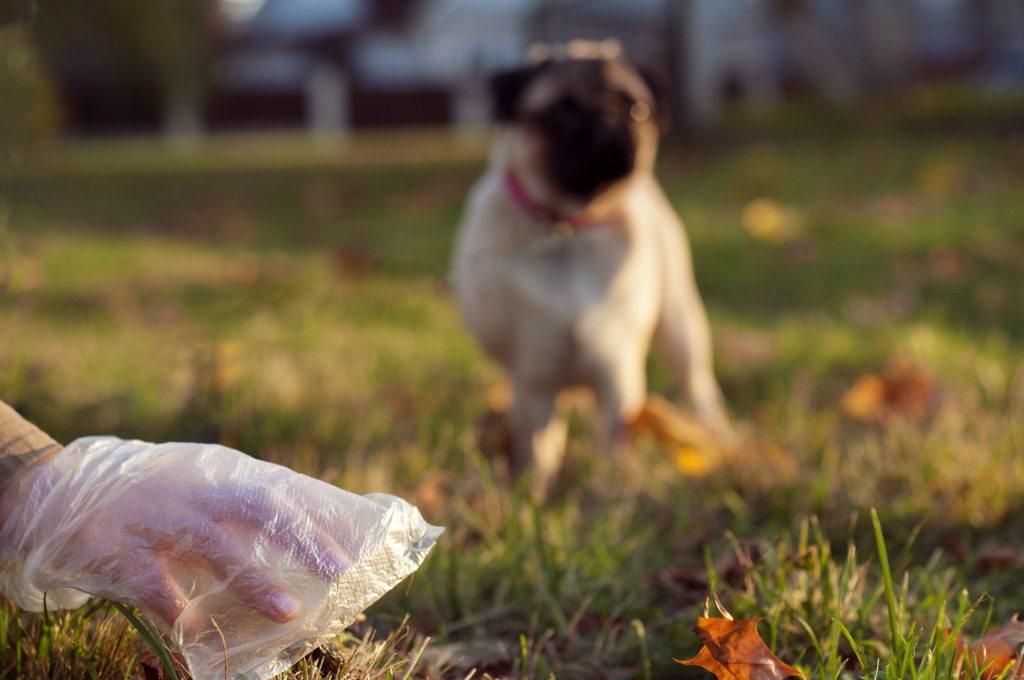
point(298, 310)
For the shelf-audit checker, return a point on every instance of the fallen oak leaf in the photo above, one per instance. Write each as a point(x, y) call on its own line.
point(909, 390)
point(733, 650)
point(706, 660)
point(998, 651)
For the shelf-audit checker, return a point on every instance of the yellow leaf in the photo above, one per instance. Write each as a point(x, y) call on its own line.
point(767, 220)
point(693, 462)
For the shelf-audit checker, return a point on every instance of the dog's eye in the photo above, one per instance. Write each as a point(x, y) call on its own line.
point(568, 105)
point(561, 113)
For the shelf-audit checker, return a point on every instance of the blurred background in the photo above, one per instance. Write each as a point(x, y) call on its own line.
point(331, 66)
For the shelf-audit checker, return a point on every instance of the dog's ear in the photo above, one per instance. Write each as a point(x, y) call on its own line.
point(657, 81)
point(507, 89)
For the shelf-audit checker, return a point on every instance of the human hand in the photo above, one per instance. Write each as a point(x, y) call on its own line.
point(200, 538)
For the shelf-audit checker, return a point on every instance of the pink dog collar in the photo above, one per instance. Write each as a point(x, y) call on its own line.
point(545, 213)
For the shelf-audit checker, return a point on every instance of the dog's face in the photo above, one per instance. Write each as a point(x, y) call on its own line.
point(594, 118)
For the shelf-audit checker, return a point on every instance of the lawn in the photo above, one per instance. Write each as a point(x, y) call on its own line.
point(291, 302)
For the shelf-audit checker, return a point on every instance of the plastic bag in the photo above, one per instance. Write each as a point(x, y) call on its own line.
point(235, 560)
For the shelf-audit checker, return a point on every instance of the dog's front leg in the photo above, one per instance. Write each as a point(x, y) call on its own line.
point(685, 344)
point(620, 389)
point(683, 334)
point(538, 436)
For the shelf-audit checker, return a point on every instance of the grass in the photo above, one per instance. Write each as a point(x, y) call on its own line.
point(291, 302)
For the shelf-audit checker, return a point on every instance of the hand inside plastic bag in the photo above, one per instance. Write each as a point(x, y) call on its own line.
point(229, 556)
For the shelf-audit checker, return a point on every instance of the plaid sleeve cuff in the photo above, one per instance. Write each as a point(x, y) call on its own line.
point(11, 465)
point(21, 444)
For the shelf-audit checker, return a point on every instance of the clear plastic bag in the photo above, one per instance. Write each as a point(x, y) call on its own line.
point(235, 560)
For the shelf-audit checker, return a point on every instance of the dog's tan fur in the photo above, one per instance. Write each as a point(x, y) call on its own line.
point(564, 310)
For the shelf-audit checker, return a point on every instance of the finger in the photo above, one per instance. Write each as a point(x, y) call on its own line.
point(158, 592)
point(319, 546)
point(317, 550)
point(265, 595)
point(292, 529)
point(224, 555)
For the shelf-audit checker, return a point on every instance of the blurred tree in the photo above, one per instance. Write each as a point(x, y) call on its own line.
point(13, 11)
point(29, 111)
point(165, 45)
point(175, 41)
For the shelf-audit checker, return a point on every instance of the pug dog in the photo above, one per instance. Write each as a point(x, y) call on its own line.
point(570, 261)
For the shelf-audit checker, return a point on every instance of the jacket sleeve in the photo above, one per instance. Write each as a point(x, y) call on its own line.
point(21, 443)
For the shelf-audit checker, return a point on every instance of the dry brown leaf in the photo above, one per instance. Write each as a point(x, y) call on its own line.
point(733, 650)
point(905, 391)
point(998, 651)
point(866, 399)
point(692, 446)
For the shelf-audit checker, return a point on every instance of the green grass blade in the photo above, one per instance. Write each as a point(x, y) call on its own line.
point(853, 644)
point(645, 653)
point(890, 593)
point(151, 639)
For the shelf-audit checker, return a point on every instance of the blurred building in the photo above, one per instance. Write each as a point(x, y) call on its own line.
point(329, 64)
point(336, 64)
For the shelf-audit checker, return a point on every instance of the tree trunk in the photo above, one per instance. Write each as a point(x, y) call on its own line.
point(182, 119)
point(328, 105)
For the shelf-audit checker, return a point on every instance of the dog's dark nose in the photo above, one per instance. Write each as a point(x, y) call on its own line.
point(596, 153)
point(590, 142)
